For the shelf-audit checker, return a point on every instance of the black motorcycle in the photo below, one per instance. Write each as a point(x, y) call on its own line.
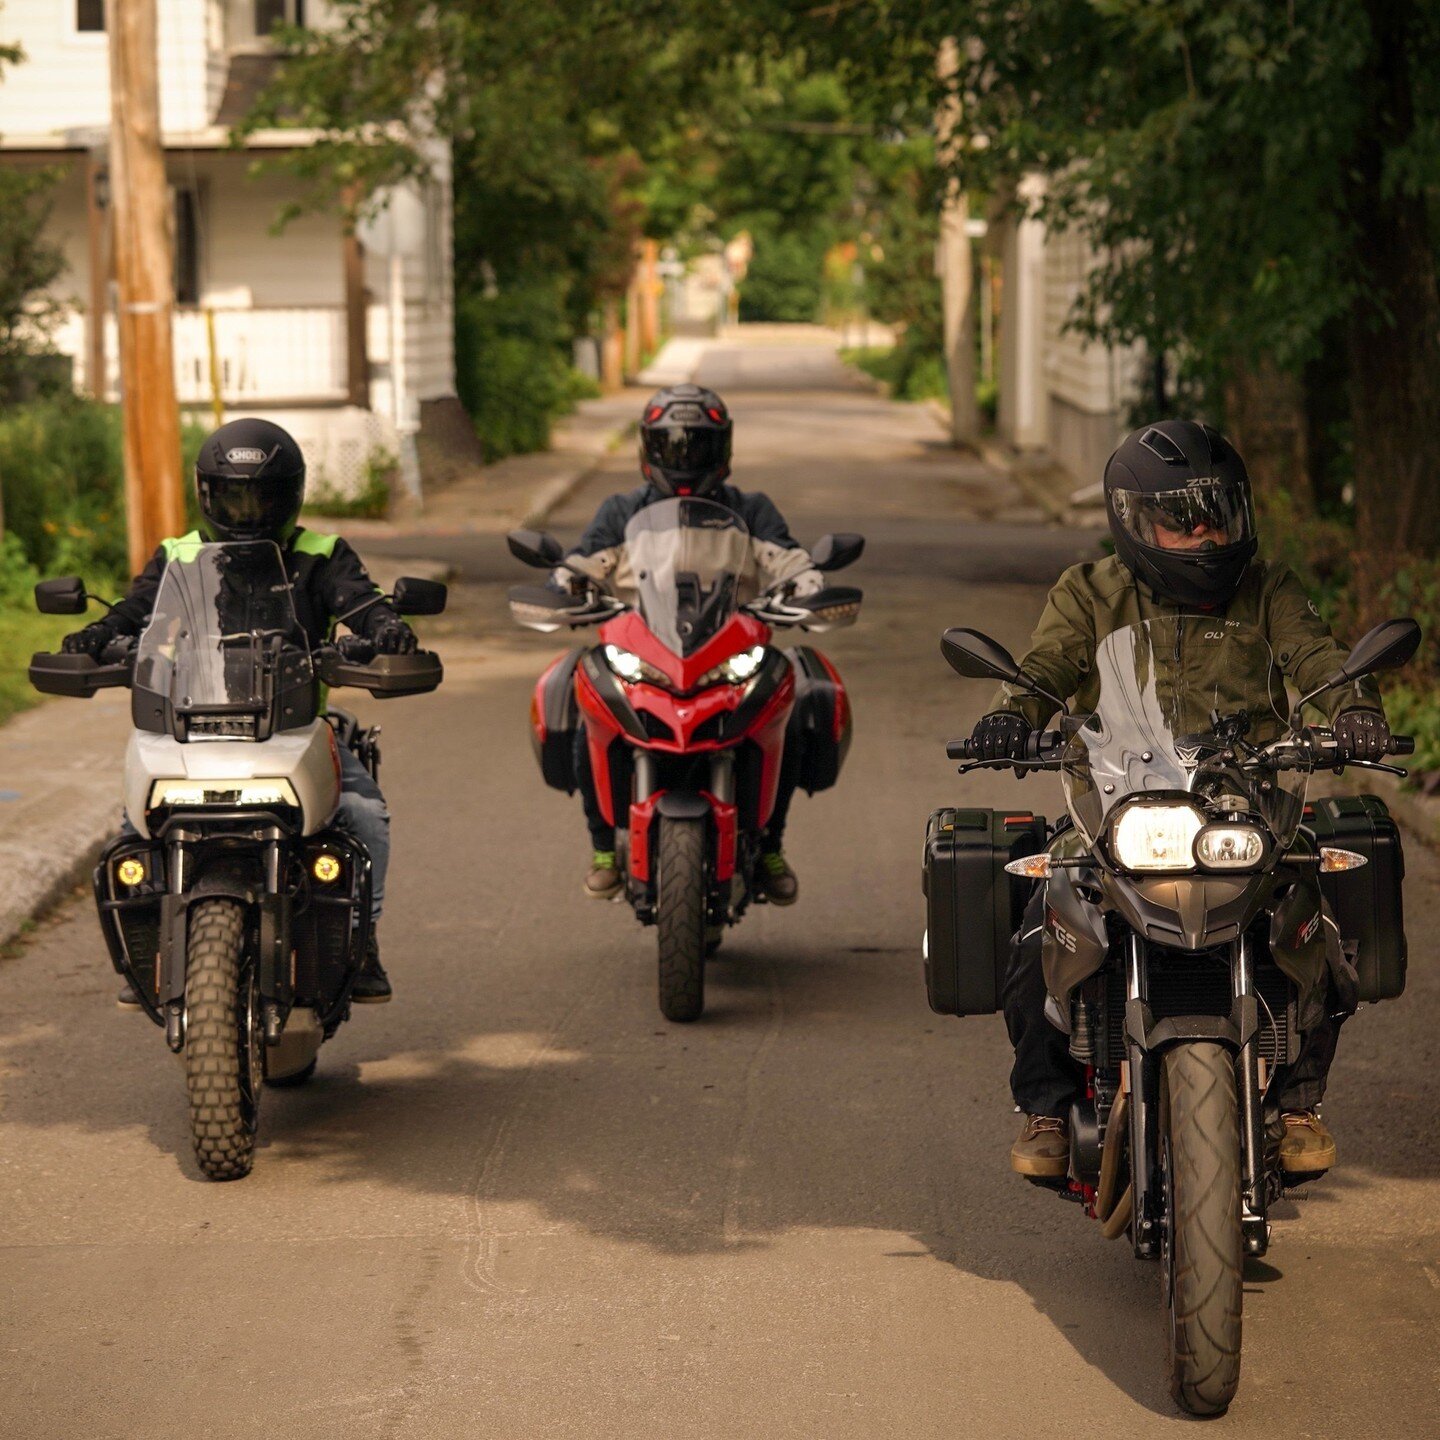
point(231, 903)
point(1199, 917)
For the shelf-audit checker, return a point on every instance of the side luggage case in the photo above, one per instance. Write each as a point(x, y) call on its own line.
point(1368, 903)
point(554, 719)
point(972, 906)
point(820, 724)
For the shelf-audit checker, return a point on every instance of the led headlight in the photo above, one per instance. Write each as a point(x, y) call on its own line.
point(1230, 847)
point(631, 667)
point(1158, 836)
point(234, 794)
point(739, 668)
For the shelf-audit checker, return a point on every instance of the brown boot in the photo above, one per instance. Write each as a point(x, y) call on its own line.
point(1308, 1147)
point(778, 880)
point(603, 881)
point(1043, 1149)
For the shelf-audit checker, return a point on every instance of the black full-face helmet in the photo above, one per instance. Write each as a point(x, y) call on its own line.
point(250, 478)
point(1178, 498)
point(685, 437)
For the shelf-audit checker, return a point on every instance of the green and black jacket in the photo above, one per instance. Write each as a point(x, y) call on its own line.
point(1091, 600)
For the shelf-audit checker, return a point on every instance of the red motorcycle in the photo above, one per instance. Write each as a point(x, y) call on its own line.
point(688, 712)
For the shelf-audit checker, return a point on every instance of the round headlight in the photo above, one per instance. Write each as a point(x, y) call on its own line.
point(1157, 836)
point(1230, 847)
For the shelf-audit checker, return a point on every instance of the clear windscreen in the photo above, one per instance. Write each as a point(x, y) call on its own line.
point(1164, 685)
point(688, 557)
point(220, 611)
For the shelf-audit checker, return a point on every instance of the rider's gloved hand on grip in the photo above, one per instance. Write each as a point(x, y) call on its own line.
point(1000, 736)
point(90, 641)
point(1362, 735)
point(395, 637)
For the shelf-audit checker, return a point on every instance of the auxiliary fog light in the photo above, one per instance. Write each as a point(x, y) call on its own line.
point(1156, 837)
point(130, 871)
point(326, 869)
point(1230, 847)
point(1333, 860)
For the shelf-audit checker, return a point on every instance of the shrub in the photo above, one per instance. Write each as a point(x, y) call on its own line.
point(784, 280)
point(370, 501)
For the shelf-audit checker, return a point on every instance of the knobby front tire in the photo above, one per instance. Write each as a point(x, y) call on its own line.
point(680, 918)
point(1204, 1253)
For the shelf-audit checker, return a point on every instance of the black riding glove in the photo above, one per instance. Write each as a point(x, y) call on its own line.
point(1362, 735)
point(1000, 736)
point(394, 637)
point(90, 641)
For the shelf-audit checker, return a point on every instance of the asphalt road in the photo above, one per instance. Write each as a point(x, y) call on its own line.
point(516, 1203)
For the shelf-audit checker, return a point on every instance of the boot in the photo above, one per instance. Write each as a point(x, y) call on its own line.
point(127, 999)
point(372, 984)
point(1308, 1147)
point(1043, 1149)
point(603, 881)
point(777, 879)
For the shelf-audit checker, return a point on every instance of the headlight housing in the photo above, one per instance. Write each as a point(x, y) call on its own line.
point(1230, 847)
point(629, 666)
point(737, 669)
point(231, 794)
point(1155, 835)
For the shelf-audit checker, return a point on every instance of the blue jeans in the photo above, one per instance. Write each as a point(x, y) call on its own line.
point(363, 815)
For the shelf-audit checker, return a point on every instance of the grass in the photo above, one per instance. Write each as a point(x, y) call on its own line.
point(908, 374)
point(22, 633)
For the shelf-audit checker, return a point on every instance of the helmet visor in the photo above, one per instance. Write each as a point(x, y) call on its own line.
point(694, 450)
point(239, 505)
point(1206, 515)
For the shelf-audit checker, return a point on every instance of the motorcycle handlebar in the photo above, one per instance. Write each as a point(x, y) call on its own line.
point(1042, 746)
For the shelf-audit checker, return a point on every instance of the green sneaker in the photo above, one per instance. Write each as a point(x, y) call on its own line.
point(777, 879)
point(603, 881)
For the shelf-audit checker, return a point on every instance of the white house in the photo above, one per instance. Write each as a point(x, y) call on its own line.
point(1058, 393)
point(261, 318)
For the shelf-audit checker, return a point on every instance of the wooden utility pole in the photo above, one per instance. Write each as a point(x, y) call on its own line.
point(357, 355)
point(144, 273)
point(954, 262)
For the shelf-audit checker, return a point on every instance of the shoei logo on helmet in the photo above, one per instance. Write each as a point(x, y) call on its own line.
point(244, 455)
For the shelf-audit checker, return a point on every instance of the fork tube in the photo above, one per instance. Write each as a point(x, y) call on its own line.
point(1142, 1119)
point(1252, 1113)
point(644, 774)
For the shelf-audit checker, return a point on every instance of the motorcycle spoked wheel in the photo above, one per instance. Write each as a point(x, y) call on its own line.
point(1202, 1245)
point(680, 918)
point(223, 1040)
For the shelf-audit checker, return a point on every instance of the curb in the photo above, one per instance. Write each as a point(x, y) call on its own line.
point(555, 493)
point(1418, 815)
point(74, 870)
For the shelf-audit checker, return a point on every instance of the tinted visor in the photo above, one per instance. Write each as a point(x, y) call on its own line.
point(241, 506)
point(694, 450)
point(1209, 513)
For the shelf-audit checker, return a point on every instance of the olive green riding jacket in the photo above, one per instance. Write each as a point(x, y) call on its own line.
point(1091, 600)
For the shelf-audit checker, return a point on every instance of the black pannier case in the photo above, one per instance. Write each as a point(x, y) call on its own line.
point(820, 725)
point(555, 706)
point(1367, 902)
point(973, 907)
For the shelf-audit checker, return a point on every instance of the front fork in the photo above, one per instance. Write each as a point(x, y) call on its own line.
point(1145, 1118)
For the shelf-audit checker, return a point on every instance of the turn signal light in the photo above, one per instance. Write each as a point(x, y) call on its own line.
point(130, 871)
point(1333, 860)
point(1032, 867)
point(326, 869)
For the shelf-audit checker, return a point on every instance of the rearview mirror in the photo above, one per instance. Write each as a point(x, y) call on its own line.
point(62, 596)
point(835, 552)
point(420, 597)
point(1388, 646)
point(535, 547)
point(977, 656)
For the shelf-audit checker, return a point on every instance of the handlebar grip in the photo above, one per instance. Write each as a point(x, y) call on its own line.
point(1401, 745)
point(959, 750)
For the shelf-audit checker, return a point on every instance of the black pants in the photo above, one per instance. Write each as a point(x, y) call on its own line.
point(602, 833)
point(1045, 1080)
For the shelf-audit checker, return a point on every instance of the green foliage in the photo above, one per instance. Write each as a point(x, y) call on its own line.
point(369, 501)
point(511, 366)
point(783, 281)
point(908, 371)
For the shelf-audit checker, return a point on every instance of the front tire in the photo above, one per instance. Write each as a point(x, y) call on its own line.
point(1204, 1255)
point(223, 1040)
point(680, 918)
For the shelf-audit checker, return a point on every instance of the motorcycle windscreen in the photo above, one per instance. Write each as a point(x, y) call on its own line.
point(1163, 685)
point(688, 557)
point(221, 615)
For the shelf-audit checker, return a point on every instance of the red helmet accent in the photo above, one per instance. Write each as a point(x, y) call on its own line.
point(656, 411)
point(717, 416)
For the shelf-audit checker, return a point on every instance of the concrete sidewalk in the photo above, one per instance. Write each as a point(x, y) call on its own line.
point(60, 764)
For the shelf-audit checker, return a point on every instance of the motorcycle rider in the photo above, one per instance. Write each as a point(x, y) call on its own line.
point(250, 483)
point(685, 441)
point(1178, 500)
